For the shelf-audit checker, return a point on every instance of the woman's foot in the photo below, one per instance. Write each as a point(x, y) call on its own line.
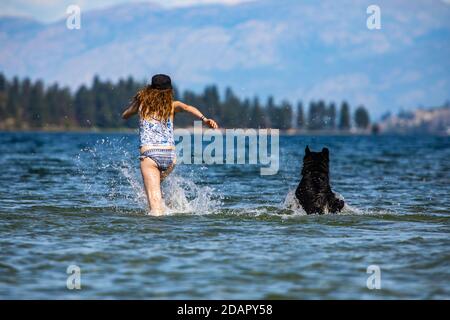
point(156, 213)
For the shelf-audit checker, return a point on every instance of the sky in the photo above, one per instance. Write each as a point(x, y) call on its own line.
point(293, 49)
point(52, 10)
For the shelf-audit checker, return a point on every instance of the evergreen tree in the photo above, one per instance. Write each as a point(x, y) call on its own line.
point(285, 116)
point(245, 114)
point(67, 110)
point(212, 102)
point(331, 113)
point(37, 108)
point(103, 114)
point(176, 94)
point(321, 115)
point(312, 116)
point(3, 96)
point(22, 111)
point(85, 107)
point(3, 82)
point(300, 116)
point(52, 103)
point(24, 104)
point(257, 116)
point(272, 119)
point(317, 112)
point(231, 112)
point(14, 98)
point(361, 118)
point(344, 119)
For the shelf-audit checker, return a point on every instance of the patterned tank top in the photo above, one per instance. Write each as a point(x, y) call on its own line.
point(153, 132)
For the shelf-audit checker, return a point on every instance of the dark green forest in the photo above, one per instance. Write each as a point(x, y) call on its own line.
point(26, 104)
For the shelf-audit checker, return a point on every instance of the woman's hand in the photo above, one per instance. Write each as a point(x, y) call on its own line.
point(211, 123)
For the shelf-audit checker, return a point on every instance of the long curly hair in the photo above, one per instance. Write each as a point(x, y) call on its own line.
point(154, 103)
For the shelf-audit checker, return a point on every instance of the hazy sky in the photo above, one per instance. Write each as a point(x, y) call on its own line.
point(293, 49)
point(51, 10)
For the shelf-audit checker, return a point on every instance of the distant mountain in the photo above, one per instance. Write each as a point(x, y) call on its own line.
point(419, 121)
point(292, 49)
point(16, 26)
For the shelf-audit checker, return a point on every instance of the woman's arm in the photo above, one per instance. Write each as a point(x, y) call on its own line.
point(180, 106)
point(131, 110)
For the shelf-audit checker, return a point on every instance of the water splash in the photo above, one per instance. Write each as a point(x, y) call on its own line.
point(182, 195)
point(111, 177)
point(136, 186)
point(291, 203)
point(110, 172)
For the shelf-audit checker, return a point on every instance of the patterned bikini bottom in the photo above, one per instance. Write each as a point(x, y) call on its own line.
point(164, 158)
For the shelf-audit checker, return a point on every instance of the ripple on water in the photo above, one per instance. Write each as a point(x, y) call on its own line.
point(230, 233)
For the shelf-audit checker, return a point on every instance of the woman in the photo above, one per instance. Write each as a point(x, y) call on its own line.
point(156, 110)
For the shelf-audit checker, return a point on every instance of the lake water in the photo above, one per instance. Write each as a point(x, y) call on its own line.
point(76, 199)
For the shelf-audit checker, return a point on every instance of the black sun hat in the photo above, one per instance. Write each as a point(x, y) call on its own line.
point(161, 82)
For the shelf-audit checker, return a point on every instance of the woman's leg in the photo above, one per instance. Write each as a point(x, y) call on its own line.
point(165, 173)
point(151, 177)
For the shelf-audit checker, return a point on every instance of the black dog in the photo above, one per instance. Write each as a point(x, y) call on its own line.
point(314, 191)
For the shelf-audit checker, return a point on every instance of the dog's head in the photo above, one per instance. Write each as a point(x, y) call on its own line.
point(316, 161)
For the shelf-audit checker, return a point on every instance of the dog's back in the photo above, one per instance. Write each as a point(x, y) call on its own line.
point(314, 191)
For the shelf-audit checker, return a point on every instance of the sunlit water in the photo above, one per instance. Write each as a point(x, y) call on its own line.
point(76, 199)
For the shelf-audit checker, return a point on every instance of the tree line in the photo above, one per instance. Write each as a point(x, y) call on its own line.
point(26, 104)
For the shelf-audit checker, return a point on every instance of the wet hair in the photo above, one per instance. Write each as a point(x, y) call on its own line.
point(154, 103)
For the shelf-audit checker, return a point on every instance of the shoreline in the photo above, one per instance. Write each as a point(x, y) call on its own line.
point(290, 132)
